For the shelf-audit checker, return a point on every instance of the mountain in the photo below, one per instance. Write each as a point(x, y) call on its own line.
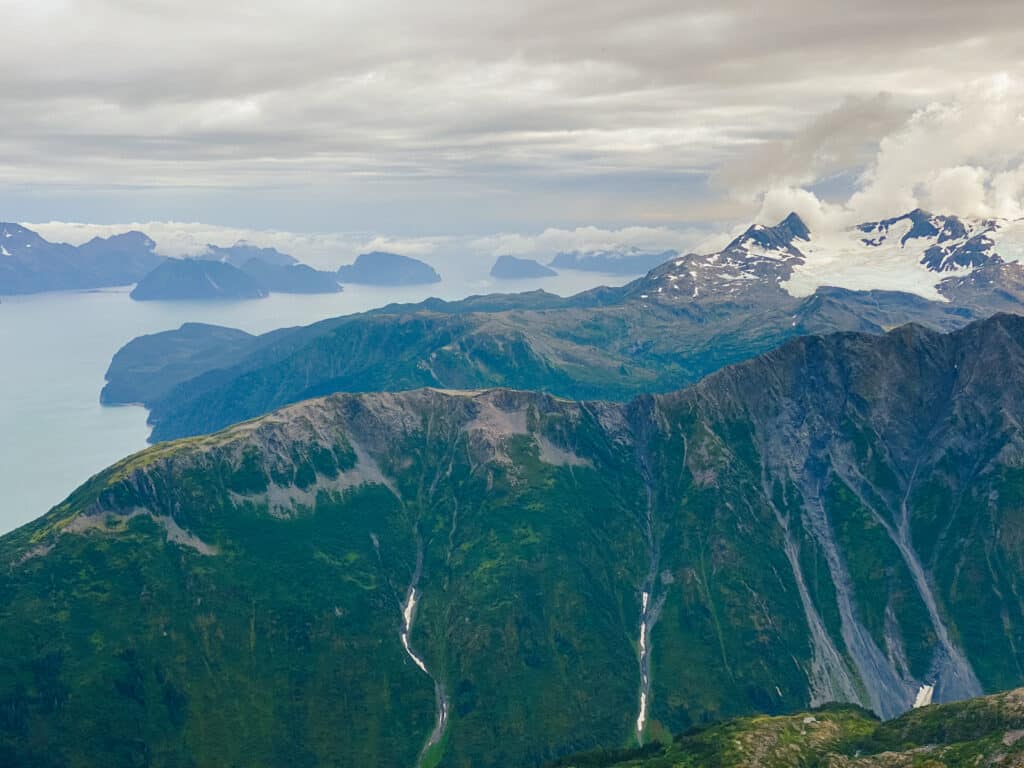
point(982, 731)
point(683, 320)
point(381, 268)
point(514, 268)
point(625, 261)
point(974, 264)
point(291, 278)
point(239, 254)
point(31, 264)
point(274, 271)
point(188, 348)
point(177, 279)
point(123, 257)
point(500, 578)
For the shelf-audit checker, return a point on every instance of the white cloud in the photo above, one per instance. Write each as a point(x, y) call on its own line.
point(554, 240)
point(174, 238)
point(947, 155)
point(779, 202)
point(963, 188)
point(524, 115)
point(960, 155)
point(329, 250)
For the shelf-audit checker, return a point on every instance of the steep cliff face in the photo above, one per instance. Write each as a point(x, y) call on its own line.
point(501, 577)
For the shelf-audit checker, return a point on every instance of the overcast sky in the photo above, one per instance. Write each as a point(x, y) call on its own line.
point(413, 118)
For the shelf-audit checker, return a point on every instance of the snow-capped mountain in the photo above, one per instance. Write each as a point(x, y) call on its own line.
point(17, 242)
point(938, 258)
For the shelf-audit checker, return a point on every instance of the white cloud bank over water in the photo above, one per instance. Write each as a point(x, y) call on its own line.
point(330, 250)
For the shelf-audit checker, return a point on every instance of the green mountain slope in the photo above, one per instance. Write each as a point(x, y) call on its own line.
point(982, 731)
point(582, 350)
point(500, 578)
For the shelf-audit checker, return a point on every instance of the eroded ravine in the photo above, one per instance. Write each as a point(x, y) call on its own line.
point(650, 607)
point(828, 677)
point(888, 692)
point(409, 605)
point(952, 674)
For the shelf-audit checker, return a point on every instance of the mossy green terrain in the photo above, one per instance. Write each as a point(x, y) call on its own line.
point(986, 731)
point(498, 578)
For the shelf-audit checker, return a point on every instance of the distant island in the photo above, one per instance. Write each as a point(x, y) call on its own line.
point(291, 278)
point(382, 268)
point(516, 268)
point(178, 279)
point(241, 253)
point(205, 278)
point(31, 264)
point(628, 261)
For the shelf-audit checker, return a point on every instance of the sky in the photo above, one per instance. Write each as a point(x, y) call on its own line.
point(508, 126)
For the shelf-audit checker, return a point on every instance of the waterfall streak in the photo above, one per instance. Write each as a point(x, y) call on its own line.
point(645, 681)
point(408, 614)
point(440, 696)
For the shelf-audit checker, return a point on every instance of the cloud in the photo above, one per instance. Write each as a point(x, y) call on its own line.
point(474, 255)
point(178, 239)
point(948, 154)
point(961, 155)
point(844, 137)
point(779, 202)
point(108, 104)
point(553, 240)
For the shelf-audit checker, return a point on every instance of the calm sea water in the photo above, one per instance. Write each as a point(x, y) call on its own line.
point(55, 349)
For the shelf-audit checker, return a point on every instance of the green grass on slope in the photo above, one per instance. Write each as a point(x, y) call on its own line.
point(984, 731)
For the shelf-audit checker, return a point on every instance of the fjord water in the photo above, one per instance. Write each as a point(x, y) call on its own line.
point(55, 349)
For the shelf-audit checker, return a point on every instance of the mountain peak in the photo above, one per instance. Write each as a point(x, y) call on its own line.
point(122, 240)
point(795, 225)
point(776, 238)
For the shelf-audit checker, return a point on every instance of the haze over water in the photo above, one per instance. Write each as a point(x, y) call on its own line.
point(55, 349)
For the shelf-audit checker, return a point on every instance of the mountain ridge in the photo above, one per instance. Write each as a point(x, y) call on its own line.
point(838, 519)
point(683, 320)
point(31, 264)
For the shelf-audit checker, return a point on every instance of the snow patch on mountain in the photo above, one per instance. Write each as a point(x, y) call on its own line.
point(848, 259)
point(917, 253)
